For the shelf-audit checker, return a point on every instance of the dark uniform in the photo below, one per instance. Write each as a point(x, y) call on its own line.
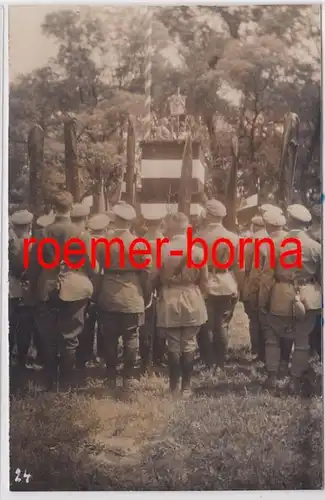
point(292, 298)
point(181, 308)
point(63, 295)
point(20, 307)
point(121, 299)
point(222, 287)
point(250, 295)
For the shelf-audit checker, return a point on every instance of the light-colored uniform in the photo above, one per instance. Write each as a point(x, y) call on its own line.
point(180, 306)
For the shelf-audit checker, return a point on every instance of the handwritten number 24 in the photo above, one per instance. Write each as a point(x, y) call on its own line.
point(25, 476)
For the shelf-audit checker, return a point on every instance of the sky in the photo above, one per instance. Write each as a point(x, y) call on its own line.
point(28, 48)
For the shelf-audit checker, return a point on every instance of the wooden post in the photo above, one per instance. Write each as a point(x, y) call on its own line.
point(35, 145)
point(184, 196)
point(230, 220)
point(71, 166)
point(130, 161)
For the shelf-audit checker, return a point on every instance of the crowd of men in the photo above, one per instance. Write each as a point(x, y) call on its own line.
point(161, 312)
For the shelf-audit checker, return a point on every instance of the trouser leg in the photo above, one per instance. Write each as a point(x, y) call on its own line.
point(13, 323)
point(300, 355)
point(24, 333)
point(46, 320)
point(285, 348)
point(130, 345)
point(254, 328)
point(173, 340)
point(86, 337)
point(109, 328)
point(188, 345)
point(204, 340)
point(272, 349)
point(146, 332)
point(220, 312)
point(70, 326)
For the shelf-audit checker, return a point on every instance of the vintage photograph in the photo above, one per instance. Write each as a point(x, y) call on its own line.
point(165, 248)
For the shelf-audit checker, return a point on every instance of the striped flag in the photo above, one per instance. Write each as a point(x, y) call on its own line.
point(161, 172)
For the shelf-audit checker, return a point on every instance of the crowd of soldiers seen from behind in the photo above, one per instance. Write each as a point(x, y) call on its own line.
point(63, 316)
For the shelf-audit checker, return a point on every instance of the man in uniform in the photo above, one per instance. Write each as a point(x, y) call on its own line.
point(63, 293)
point(149, 342)
point(222, 287)
point(292, 297)
point(180, 306)
point(20, 310)
point(250, 290)
point(315, 232)
point(121, 298)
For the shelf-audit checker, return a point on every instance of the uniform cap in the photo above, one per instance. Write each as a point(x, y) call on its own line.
point(80, 210)
point(152, 217)
point(257, 220)
point(21, 218)
point(317, 210)
point(124, 211)
point(274, 218)
point(267, 206)
point(215, 208)
point(45, 220)
point(299, 212)
point(98, 222)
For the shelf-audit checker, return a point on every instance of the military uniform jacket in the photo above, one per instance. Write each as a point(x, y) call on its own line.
point(279, 286)
point(72, 284)
point(315, 232)
point(180, 301)
point(121, 287)
point(15, 266)
point(251, 279)
point(221, 282)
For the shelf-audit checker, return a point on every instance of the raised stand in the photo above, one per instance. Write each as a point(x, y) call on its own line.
point(161, 168)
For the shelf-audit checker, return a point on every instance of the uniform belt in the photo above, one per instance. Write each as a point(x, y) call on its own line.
point(299, 281)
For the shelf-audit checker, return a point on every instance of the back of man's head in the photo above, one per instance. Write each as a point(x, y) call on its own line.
point(62, 202)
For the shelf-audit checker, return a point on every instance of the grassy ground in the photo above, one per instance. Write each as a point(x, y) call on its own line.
point(232, 434)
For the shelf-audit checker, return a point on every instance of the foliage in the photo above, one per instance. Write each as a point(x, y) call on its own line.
point(241, 69)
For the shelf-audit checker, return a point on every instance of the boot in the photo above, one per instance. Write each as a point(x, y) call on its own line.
point(187, 362)
point(271, 381)
point(174, 371)
point(130, 356)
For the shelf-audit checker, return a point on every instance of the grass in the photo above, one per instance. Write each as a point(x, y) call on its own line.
point(231, 435)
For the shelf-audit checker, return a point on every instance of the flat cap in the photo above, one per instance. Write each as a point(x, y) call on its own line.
point(98, 222)
point(267, 206)
point(45, 220)
point(257, 220)
point(317, 210)
point(299, 212)
point(274, 218)
point(21, 218)
point(124, 211)
point(80, 210)
point(215, 208)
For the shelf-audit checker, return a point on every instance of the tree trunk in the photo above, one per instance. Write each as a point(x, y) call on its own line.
point(71, 166)
point(35, 146)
